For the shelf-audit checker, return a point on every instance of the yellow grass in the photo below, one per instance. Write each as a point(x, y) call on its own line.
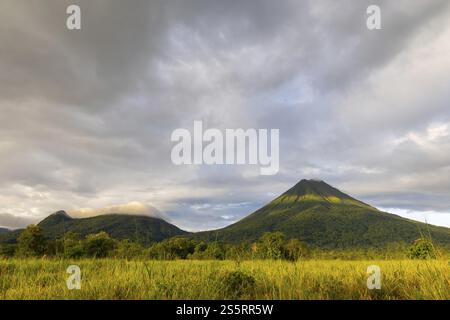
point(315, 279)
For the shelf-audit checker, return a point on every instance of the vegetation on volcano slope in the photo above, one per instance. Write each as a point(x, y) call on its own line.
point(140, 229)
point(324, 217)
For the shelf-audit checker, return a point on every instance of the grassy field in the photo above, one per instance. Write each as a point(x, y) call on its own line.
point(185, 279)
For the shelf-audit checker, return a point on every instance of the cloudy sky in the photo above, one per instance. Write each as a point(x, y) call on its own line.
point(86, 115)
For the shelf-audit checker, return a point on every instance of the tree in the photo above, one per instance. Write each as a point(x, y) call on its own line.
point(238, 252)
point(54, 247)
point(294, 250)
point(213, 251)
point(7, 250)
point(271, 245)
point(174, 248)
point(179, 248)
point(200, 247)
point(31, 242)
point(73, 245)
point(157, 251)
point(199, 251)
point(99, 245)
point(128, 250)
point(422, 248)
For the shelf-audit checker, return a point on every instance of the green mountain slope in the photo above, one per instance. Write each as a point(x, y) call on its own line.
point(4, 230)
point(325, 217)
point(142, 229)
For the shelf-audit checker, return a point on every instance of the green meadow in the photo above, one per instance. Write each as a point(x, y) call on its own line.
point(34, 278)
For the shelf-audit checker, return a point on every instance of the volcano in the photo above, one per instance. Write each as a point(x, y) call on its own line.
point(324, 217)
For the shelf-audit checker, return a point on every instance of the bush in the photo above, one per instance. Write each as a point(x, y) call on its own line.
point(237, 284)
point(238, 252)
point(31, 242)
point(128, 250)
point(174, 248)
point(422, 248)
point(7, 250)
point(54, 248)
point(271, 245)
point(73, 246)
point(294, 250)
point(99, 245)
point(212, 251)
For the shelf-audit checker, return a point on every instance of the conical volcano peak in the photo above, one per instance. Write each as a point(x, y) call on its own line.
point(315, 187)
point(320, 191)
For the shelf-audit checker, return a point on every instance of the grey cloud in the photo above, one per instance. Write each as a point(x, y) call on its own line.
point(131, 208)
point(15, 222)
point(86, 116)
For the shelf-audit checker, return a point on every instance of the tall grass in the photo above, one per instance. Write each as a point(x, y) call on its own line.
point(190, 279)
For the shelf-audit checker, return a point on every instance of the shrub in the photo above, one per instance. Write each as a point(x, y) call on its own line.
point(294, 250)
point(99, 245)
point(73, 245)
point(237, 284)
point(7, 250)
point(54, 247)
point(174, 248)
point(271, 245)
point(31, 242)
point(422, 248)
point(128, 250)
point(213, 251)
point(238, 253)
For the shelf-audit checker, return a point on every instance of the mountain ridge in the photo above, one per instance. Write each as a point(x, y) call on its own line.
point(142, 229)
point(139, 228)
point(312, 211)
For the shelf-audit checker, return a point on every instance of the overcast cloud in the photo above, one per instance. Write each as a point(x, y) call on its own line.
point(86, 116)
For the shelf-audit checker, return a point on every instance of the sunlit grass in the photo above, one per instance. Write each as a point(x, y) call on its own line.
point(187, 279)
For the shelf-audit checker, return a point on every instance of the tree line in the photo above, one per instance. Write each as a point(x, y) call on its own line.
point(271, 245)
